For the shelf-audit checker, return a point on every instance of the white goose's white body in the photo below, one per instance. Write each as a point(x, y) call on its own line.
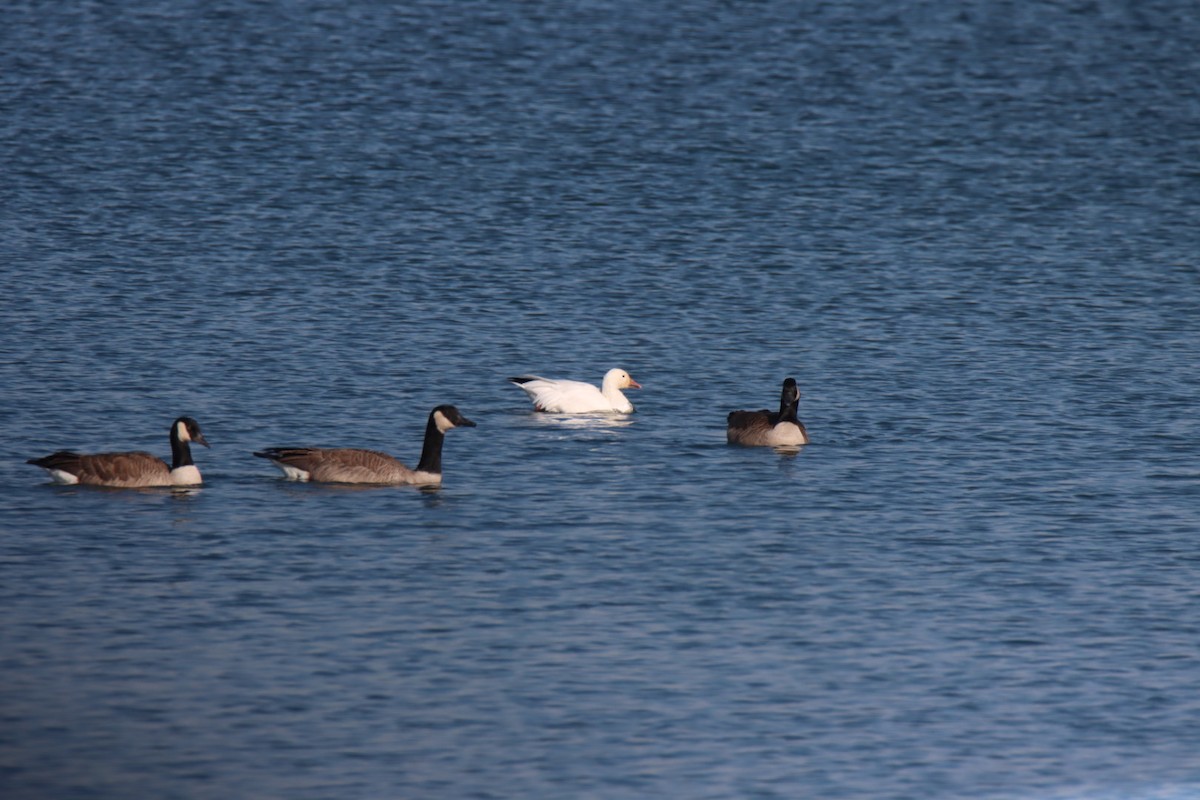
point(577, 397)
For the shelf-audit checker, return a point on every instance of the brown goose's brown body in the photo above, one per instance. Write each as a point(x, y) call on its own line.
point(130, 470)
point(344, 465)
point(354, 465)
point(766, 428)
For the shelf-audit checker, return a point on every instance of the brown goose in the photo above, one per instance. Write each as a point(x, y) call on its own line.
point(130, 470)
point(764, 428)
point(352, 465)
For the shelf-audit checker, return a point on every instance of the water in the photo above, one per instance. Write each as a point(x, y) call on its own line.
point(968, 230)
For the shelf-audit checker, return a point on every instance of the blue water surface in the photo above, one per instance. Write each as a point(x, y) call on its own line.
point(969, 230)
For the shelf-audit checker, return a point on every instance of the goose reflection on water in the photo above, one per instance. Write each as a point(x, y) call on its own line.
point(589, 422)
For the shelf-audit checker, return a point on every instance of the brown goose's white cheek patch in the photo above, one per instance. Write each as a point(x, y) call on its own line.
point(443, 424)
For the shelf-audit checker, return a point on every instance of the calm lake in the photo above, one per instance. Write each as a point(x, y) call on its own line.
point(969, 230)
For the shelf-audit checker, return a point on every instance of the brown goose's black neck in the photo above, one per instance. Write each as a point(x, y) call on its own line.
point(431, 451)
point(181, 452)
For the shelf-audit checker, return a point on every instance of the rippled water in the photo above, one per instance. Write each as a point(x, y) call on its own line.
point(968, 230)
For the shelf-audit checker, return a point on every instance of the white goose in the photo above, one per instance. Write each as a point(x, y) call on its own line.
point(577, 397)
